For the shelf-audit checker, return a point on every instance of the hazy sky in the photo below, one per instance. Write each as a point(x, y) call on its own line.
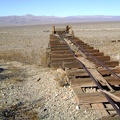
point(59, 7)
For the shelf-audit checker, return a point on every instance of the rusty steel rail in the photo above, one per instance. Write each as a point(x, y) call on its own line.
point(98, 61)
point(96, 82)
point(100, 87)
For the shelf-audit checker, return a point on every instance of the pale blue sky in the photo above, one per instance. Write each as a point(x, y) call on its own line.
point(60, 7)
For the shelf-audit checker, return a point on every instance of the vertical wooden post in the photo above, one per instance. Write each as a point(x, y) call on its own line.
point(71, 32)
point(67, 28)
point(53, 30)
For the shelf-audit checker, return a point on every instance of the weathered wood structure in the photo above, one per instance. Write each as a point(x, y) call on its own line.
point(93, 76)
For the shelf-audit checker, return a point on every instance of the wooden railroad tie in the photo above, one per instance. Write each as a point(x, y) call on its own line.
point(71, 54)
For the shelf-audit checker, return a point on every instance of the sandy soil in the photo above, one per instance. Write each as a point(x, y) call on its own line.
point(28, 88)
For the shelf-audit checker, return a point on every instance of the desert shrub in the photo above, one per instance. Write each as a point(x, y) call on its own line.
point(61, 77)
point(28, 57)
point(12, 56)
point(44, 59)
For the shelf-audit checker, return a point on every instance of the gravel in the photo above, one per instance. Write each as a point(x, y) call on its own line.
point(35, 94)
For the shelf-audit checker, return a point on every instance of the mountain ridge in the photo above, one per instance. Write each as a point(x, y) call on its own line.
point(33, 20)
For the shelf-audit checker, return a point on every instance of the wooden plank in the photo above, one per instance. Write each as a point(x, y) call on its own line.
point(103, 70)
point(61, 52)
point(99, 108)
point(86, 47)
point(94, 72)
point(56, 41)
point(59, 49)
point(99, 78)
point(52, 40)
point(79, 72)
point(58, 45)
point(87, 63)
point(70, 59)
point(72, 65)
point(61, 56)
point(110, 117)
point(96, 54)
point(101, 58)
point(83, 73)
point(109, 63)
point(52, 36)
point(77, 98)
point(112, 80)
point(88, 82)
point(56, 65)
point(96, 97)
point(82, 82)
point(62, 64)
point(88, 98)
point(92, 51)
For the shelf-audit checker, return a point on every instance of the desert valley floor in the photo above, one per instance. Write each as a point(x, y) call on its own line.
point(28, 89)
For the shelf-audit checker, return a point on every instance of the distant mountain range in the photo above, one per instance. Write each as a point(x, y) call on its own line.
point(33, 20)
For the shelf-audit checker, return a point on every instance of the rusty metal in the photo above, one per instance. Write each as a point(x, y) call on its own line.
point(97, 83)
point(99, 62)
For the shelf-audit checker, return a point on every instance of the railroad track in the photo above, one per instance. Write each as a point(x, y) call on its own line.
point(94, 78)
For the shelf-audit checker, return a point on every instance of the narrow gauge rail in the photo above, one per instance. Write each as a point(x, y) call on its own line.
point(93, 77)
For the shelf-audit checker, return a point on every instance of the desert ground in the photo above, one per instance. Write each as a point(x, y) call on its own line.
point(28, 88)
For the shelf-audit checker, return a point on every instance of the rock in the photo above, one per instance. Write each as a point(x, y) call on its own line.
point(44, 114)
point(77, 108)
point(38, 79)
